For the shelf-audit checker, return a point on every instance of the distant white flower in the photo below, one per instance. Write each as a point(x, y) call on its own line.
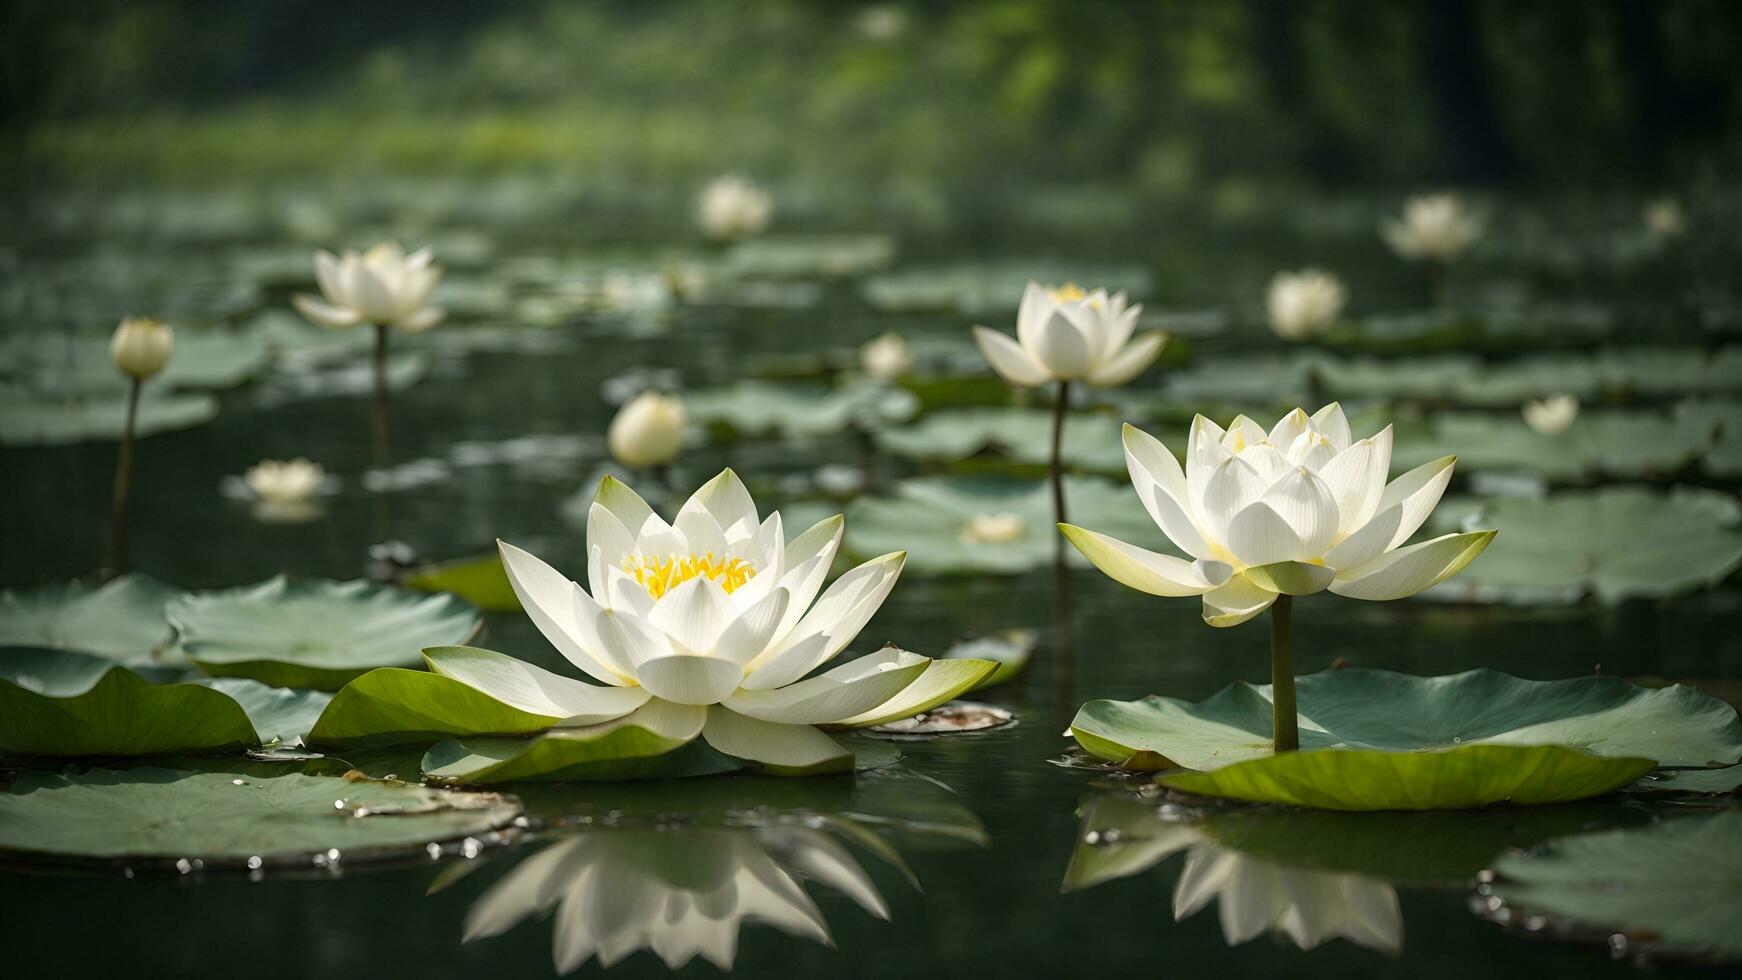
point(382, 286)
point(1553, 415)
point(647, 431)
point(1434, 226)
point(732, 207)
point(1296, 510)
point(887, 357)
point(1303, 303)
point(1066, 334)
point(141, 347)
point(1664, 218)
point(882, 21)
point(284, 481)
point(996, 528)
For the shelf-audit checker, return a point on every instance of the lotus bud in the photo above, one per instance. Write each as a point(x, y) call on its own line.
point(732, 207)
point(1433, 226)
point(1551, 416)
point(887, 357)
point(992, 528)
point(284, 481)
point(141, 347)
point(1303, 303)
point(648, 430)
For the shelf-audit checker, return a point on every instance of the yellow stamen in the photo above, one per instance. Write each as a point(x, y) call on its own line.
point(1068, 292)
point(660, 575)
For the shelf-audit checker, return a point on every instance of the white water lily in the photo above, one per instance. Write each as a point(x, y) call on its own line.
point(1294, 510)
point(284, 481)
point(141, 347)
point(732, 207)
point(678, 893)
point(995, 528)
point(887, 357)
point(1303, 303)
point(647, 430)
point(1067, 334)
point(706, 625)
point(383, 287)
point(1553, 415)
point(1434, 226)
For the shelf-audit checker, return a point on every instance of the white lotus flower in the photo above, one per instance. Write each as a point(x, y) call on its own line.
point(284, 481)
point(1255, 895)
point(887, 357)
point(647, 430)
point(1066, 334)
point(1303, 303)
point(383, 287)
point(1296, 510)
point(676, 892)
point(731, 207)
point(1434, 226)
point(141, 347)
point(706, 626)
point(1551, 416)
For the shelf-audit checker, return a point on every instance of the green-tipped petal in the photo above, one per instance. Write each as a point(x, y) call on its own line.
point(1406, 571)
point(942, 681)
point(1145, 571)
point(1291, 577)
point(785, 750)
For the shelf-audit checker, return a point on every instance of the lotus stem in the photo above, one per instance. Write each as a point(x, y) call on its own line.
point(1056, 468)
point(379, 416)
point(123, 476)
point(1285, 732)
point(1061, 576)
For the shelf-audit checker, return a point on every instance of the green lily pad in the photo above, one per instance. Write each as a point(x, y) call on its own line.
point(572, 755)
point(121, 620)
point(60, 704)
point(1011, 650)
point(1698, 782)
point(80, 365)
point(808, 256)
point(315, 633)
point(800, 411)
point(984, 289)
point(1256, 380)
point(1612, 442)
point(1721, 421)
point(480, 581)
point(965, 525)
point(1615, 543)
point(1675, 885)
point(1024, 435)
point(217, 819)
point(31, 418)
point(1377, 740)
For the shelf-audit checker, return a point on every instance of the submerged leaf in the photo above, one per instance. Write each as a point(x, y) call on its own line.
point(121, 620)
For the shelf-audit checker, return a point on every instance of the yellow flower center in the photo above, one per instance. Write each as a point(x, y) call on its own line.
point(992, 528)
point(1069, 292)
point(660, 575)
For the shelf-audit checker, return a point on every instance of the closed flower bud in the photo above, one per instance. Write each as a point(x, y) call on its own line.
point(732, 207)
point(141, 347)
point(648, 430)
point(1303, 303)
point(1433, 226)
point(1553, 415)
point(887, 357)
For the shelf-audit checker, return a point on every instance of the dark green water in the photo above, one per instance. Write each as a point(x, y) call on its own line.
point(987, 909)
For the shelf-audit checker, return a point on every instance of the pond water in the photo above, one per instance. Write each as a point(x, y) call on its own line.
point(504, 427)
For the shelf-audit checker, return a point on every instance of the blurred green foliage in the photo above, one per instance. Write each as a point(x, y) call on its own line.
point(1160, 96)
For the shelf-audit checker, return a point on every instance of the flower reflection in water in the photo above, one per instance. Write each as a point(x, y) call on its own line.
point(678, 891)
point(1254, 895)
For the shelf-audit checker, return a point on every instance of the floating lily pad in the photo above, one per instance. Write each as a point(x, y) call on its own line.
point(163, 816)
point(799, 410)
point(1024, 435)
point(809, 256)
point(1615, 543)
point(1613, 442)
point(1698, 782)
point(1256, 380)
point(80, 365)
point(573, 755)
point(1674, 886)
point(1721, 422)
point(480, 581)
point(1375, 740)
point(121, 620)
point(31, 418)
point(62, 704)
point(963, 525)
point(315, 633)
point(984, 289)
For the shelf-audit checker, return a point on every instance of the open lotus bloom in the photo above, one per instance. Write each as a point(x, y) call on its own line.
point(382, 286)
point(1434, 226)
point(706, 626)
point(1297, 509)
point(675, 892)
point(1300, 304)
point(1067, 334)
